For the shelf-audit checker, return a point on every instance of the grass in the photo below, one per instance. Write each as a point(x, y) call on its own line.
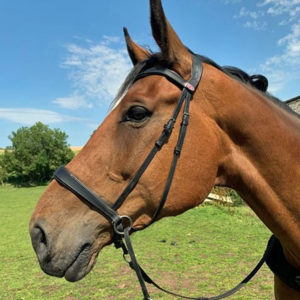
point(203, 252)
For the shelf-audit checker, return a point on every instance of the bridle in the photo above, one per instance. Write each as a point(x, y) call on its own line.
point(123, 225)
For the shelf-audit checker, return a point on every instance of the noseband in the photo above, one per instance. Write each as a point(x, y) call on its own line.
point(123, 225)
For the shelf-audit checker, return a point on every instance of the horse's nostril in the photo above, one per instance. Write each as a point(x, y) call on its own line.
point(43, 239)
point(39, 242)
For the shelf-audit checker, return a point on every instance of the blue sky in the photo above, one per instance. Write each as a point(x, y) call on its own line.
point(61, 62)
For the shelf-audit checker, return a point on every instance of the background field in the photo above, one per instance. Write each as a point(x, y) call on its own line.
point(202, 252)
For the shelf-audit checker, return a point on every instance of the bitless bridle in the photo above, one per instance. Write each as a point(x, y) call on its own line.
point(123, 225)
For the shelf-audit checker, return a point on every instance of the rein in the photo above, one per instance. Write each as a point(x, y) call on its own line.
point(123, 225)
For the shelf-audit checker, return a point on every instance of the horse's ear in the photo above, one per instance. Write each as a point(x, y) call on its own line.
point(136, 52)
point(173, 50)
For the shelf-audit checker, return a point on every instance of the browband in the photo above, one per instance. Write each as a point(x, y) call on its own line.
point(169, 74)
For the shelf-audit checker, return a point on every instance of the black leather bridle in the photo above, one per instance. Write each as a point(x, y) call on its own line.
point(122, 225)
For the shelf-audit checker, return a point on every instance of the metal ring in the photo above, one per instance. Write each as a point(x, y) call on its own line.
point(121, 220)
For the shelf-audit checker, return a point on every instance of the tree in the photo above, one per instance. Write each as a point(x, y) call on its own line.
point(3, 173)
point(35, 154)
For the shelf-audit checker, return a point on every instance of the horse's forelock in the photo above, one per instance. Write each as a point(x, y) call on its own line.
point(154, 59)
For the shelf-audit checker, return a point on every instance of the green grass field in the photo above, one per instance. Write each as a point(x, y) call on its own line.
point(205, 251)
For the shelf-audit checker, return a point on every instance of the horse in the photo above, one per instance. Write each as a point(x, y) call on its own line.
point(238, 136)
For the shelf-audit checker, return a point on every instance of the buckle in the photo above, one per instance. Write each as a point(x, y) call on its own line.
point(120, 224)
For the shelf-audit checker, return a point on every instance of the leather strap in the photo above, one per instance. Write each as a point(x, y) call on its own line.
point(176, 154)
point(167, 131)
point(72, 183)
point(186, 95)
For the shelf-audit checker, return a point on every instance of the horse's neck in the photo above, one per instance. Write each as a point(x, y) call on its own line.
point(262, 160)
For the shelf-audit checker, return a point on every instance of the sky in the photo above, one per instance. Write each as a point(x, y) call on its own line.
point(62, 61)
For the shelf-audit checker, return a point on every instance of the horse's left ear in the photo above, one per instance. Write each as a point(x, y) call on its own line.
point(172, 49)
point(136, 52)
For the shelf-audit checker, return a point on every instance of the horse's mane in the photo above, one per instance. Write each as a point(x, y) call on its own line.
point(257, 81)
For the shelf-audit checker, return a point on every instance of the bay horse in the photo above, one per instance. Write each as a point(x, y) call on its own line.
point(238, 136)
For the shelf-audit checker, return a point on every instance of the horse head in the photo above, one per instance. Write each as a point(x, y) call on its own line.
point(67, 234)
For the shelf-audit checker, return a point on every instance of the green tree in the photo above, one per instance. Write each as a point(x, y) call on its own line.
point(35, 154)
point(3, 173)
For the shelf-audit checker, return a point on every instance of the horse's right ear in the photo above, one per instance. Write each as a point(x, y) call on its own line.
point(136, 52)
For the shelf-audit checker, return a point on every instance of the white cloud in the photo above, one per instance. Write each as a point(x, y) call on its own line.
point(287, 10)
point(291, 8)
point(291, 54)
point(292, 42)
point(256, 25)
point(96, 71)
point(29, 116)
point(277, 79)
point(281, 68)
point(285, 67)
point(244, 12)
point(110, 39)
point(253, 18)
point(72, 102)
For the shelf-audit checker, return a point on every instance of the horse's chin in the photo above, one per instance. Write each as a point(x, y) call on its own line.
point(81, 266)
point(85, 260)
point(73, 274)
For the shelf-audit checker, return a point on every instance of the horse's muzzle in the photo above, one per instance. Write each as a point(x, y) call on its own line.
point(55, 260)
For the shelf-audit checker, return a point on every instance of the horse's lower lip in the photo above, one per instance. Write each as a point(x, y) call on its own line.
point(79, 267)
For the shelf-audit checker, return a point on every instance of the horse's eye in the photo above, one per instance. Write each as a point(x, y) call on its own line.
point(137, 114)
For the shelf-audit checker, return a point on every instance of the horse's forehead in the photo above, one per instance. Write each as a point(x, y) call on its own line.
point(149, 88)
